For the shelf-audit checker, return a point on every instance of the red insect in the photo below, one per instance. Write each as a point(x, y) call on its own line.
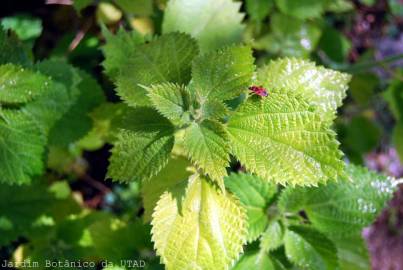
point(259, 90)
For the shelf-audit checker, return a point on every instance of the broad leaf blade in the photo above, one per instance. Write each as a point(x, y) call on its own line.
point(117, 49)
point(19, 85)
point(343, 208)
point(165, 59)
point(323, 88)
point(207, 233)
point(224, 74)
point(172, 178)
point(310, 249)
point(143, 147)
point(214, 23)
point(254, 194)
point(207, 146)
point(22, 146)
point(281, 138)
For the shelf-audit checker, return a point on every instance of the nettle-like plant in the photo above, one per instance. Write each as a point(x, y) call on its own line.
point(192, 120)
point(229, 178)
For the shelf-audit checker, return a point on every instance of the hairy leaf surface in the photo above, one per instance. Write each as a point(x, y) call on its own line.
point(118, 48)
point(223, 74)
point(323, 88)
point(171, 100)
point(282, 139)
point(19, 85)
point(165, 59)
point(207, 145)
point(22, 146)
point(206, 232)
point(143, 146)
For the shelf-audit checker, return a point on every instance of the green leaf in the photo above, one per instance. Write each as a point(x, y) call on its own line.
point(143, 146)
point(106, 120)
point(207, 145)
point(31, 205)
point(214, 109)
point(335, 45)
point(117, 48)
point(172, 178)
point(352, 252)
point(281, 139)
point(289, 36)
point(254, 260)
point(310, 249)
point(208, 232)
point(214, 23)
point(362, 135)
point(171, 100)
point(323, 88)
point(19, 85)
point(107, 230)
point(224, 74)
point(362, 87)
point(22, 146)
point(272, 238)
point(259, 9)
point(12, 50)
point(76, 122)
point(163, 60)
point(342, 208)
point(68, 119)
point(254, 194)
point(26, 27)
point(306, 9)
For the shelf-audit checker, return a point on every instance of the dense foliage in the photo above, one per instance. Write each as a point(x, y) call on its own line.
point(202, 173)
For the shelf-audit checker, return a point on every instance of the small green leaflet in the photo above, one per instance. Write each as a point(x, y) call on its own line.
point(223, 74)
point(143, 146)
point(214, 23)
point(310, 249)
point(254, 194)
point(282, 139)
point(19, 85)
point(341, 208)
point(207, 232)
point(172, 178)
point(207, 145)
point(272, 238)
point(165, 59)
point(171, 100)
point(323, 88)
